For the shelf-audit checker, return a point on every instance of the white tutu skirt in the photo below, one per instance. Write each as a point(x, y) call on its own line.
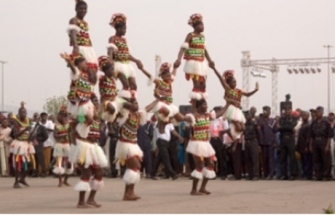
point(75, 109)
point(198, 95)
point(125, 68)
point(18, 147)
point(234, 114)
point(89, 54)
point(106, 116)
point(126, 151)
point(31, 149)
point(171, 107)
point(202, 149)
point(87, 154)
point(124, 94)
point(194, 67)
point(61, 150)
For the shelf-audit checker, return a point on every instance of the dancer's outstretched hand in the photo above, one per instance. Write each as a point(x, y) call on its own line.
point(257, 86)
point(176, 64)
point(65, 56)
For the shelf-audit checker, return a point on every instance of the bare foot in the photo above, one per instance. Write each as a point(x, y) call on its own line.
point(66, 184)
point(129, 198)
point(93, 203)
point(205, 191)
point(17, 185)
point(84, 206)
point(196, 193)
point(137, 197)
point(60, 185)
point(24, 183)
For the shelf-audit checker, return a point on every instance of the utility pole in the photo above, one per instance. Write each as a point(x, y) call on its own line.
point(328, 56)
point(3, 84)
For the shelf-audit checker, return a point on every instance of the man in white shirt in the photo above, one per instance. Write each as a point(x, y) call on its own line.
point(216, 127)
point(50, 142)
point(163, 133)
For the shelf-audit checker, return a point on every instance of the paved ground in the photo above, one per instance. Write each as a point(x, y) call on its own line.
point(166, 196)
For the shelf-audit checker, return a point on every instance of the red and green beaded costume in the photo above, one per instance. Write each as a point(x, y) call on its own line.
point(107, 88)
point(84, 42)
point(62, 130)
point(199, 141)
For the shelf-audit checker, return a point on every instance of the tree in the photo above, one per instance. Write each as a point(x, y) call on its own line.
point(53, 104)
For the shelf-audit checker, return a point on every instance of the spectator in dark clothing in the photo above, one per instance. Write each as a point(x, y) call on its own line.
point(321, 134)
point(113, 135)
point(286, 127)
point(173, 151)
point(267, 142)
point(303, 147)
point(145, 134)
point(39, 135)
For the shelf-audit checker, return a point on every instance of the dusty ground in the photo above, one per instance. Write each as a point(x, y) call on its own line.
point(166, 196)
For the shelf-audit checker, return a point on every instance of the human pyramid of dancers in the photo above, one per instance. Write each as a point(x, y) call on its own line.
point(121, 106)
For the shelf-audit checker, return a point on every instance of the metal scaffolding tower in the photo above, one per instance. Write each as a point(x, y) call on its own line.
point(273, 65)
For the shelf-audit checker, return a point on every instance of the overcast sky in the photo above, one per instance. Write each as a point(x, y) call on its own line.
point(33, 33)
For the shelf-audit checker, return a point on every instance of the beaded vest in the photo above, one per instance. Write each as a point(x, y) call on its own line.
point(61, 130)
point(196, 49)
point(200, 130)
point(83, 37)
point(122, 54)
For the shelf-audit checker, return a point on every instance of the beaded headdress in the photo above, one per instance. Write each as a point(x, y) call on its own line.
point(103, 60)
point(63, 109)
point(197, 17)
point(164, 67)
point(116, 18)
point(228, 73)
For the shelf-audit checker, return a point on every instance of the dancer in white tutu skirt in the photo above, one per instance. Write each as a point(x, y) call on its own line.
point(111, 103)
point(90, 158)
point(195, 53)
point(200, 147)
point(164, 110)
point(80, 40)
point(233, 96)
point(118, 50)
point(61, 151)
point(127, 150)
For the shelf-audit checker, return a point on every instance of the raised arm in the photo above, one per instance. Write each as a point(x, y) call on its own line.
point(151, 105)
point(73, 35)
point(222, 80)
point(66, 57)
point(222, 111)
point(182, 49)
point(252, 92)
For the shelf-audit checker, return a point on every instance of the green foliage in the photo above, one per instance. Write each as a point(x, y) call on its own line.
point(53, 104)
point(329, 210)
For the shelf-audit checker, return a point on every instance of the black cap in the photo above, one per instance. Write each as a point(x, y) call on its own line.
point(312, 110)
point(246, 112)
point(266, 108)
point(320, 108)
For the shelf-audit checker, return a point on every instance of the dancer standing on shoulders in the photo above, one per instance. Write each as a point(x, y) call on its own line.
point(111, 104)
point(118, 50)
point(200, 147)
point(80, 106)
point(195, 52)
point(62, 148)
point(90, 158)
point(233, 97)
point(165, 109)
point(127, 150)
point(80, 39)
point(22, 151)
